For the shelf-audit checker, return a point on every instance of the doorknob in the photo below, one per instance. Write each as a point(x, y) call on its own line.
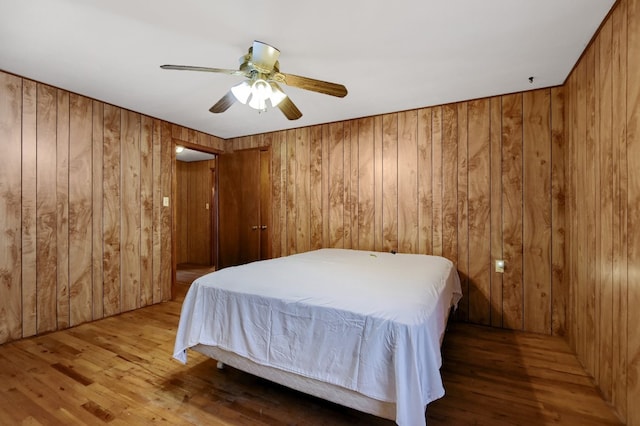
point(254, 227)
point(263, 227)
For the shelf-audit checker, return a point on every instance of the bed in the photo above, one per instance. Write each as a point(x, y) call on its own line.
point(359, 328)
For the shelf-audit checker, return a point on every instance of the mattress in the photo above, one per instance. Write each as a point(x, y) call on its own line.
point(369, 322)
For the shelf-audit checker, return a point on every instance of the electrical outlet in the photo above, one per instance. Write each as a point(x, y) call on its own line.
point(500, 266)
point(165, 201)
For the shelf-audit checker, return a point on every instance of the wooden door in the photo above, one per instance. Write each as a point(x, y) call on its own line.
point(239, 206)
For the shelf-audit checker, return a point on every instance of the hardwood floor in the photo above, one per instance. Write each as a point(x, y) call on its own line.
point(119, 371)
point(186, 273)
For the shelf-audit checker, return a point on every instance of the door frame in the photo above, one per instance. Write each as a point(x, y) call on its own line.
point(174, 196)
point(213, 214)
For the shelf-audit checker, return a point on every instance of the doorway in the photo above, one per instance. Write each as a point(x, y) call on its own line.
point(229, 187)
point(195, 215)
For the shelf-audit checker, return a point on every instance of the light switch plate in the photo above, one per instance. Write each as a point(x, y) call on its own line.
point(500, 266)
point(165, 201)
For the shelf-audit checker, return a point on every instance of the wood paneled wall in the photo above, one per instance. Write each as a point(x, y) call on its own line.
point(603, 209)
point(474, 181)
point(83, 233)
point(193, 227)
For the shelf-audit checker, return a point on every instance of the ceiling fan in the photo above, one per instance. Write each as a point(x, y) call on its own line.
point(261, 69)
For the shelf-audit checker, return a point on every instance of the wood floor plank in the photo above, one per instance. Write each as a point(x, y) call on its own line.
point(119, 370)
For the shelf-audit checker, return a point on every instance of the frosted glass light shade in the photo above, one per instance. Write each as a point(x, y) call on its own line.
point(260, 92)
point(241, 92)
point(277, 95)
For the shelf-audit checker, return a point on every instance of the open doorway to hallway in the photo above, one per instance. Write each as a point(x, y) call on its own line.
point(196, 216)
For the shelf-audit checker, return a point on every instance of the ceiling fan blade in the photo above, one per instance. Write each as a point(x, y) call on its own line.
point(319, 86)
point(205, 69)
point(224, 103)
point(264, 56)
point(289, 109)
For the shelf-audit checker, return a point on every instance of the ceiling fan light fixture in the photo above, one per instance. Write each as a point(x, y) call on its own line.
point(241, 92)
point(261, 69)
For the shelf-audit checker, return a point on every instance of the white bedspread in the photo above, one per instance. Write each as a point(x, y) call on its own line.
point(370, 322)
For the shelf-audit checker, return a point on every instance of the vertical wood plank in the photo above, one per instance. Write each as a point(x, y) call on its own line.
point(326, 136)
point(463, 210)
point(353, 186)
point(479, 212)
point(559, 288)
point(366, 184)
point(315, 187)
point(111, 209)
point(257, 141)
point(302, 187)
point(166, 166)
point(157, 210)
point(130, 208)
point(336, 185)
point(633, 219)
point(29, 211)
point(62, 206)
point(571, 209)
point(80, 198)
point(292, 169)
point(10, 187)
point(283, 199)
point(597, 263)
point(408, 182)
point(276, 195)
point(496, 209)
point(450, 183)
point(512, 158)
point(378, 188)
point(606, 210)
point(425, 199)
point(436, 180)
point(97, 144)
point(537, 211)
point(346, 179)
point(146, 211)
point(390, 182)
point(620, 171)
point(178, 132)
point(243, 143)
point(264, 159)
point(580, 229)
point(47, 230)
point(192, 135)
point(590, 206)
point(569, 220)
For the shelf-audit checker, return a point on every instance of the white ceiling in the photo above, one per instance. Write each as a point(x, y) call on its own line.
point(190, 155)
point(391, 56)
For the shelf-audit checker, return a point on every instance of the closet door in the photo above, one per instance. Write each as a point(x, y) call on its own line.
point(241, 177)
